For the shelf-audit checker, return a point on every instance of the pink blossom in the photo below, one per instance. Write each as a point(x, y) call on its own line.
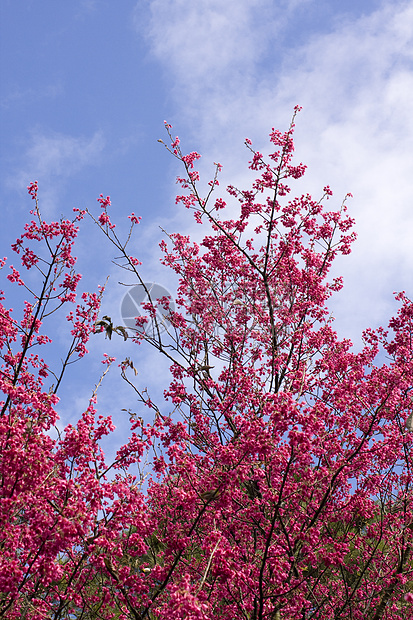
point(275, 483)
point(134, 218)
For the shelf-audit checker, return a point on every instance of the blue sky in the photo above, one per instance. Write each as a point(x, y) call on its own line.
point(87, 84)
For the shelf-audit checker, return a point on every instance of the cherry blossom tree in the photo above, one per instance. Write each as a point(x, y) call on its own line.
point(280, 482)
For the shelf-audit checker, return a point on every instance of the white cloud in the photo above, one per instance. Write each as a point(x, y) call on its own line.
point(234, 74)
point(210, 49)
point(198, 38)
point(52, 158)
point(86, 7)
point(357, 92)
point(27, 96)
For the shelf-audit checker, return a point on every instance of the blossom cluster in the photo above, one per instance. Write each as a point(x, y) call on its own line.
point(279, 482)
